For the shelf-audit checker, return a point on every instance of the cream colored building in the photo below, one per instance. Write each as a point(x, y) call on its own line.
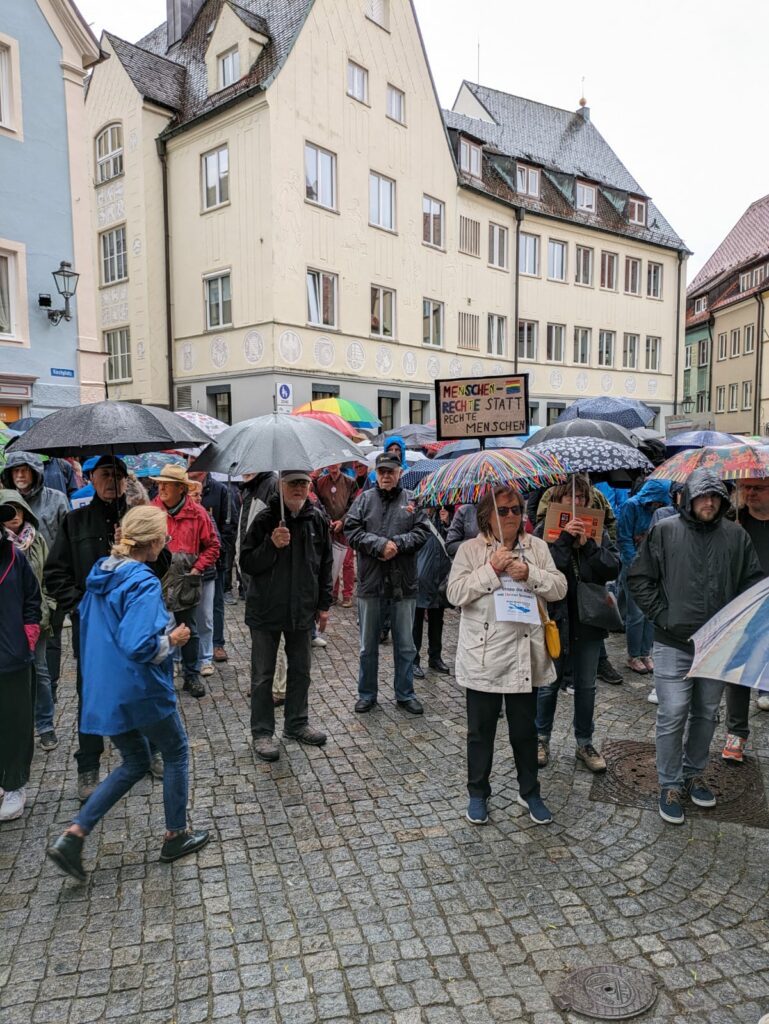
point(323, 233)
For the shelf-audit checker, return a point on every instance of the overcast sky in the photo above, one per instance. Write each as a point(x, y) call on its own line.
point(674, 86)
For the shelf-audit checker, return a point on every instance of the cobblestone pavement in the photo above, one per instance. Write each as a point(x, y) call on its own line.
point(343, 884)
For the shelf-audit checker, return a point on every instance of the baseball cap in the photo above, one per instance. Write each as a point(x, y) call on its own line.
point(292, 475)
point(110, 461)
point(387, 461)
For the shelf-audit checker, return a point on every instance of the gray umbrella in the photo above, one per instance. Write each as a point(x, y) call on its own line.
point(583, 428)
point(103, 428)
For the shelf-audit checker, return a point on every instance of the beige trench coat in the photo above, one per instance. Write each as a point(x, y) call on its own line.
point(500, 657)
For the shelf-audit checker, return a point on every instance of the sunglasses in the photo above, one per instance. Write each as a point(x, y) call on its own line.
point(509, 510)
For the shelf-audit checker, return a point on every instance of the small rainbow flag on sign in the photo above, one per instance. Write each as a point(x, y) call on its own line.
point(513, 388)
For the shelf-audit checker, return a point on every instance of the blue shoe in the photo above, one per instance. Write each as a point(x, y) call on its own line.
point(699, 793)
point(670, 807)
point(537, 809)
point(477, 812)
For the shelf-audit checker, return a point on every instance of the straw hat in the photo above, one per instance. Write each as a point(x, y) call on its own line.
point(171, 474)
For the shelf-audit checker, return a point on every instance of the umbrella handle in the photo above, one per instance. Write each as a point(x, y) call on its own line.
point(280, 494)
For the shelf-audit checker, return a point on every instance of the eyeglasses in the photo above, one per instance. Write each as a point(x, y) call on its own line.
point(756, 487)
point(509, 510)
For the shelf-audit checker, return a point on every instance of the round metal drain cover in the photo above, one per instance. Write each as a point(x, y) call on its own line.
point(610, 992)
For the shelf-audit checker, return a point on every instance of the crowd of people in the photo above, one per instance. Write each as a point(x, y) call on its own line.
point(142, 576)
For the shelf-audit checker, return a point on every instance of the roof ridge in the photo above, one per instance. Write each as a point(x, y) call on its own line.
point(526, 99)
point(150, 53)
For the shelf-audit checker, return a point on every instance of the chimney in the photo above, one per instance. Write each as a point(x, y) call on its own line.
point(584, 109)
point(180, 14)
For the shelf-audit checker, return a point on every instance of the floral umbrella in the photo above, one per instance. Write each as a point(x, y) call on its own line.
point(151, 463)
point(357, 415)
point(728, 461)
point(464, 480)
point(591, 454)
point(330, 419)
point(208, 424)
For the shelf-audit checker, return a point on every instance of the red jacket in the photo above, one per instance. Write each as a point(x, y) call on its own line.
point(192, 532)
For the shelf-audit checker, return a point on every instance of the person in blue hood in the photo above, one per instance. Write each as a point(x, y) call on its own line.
point(632, 526)
point(128, 690)
point(394, 445)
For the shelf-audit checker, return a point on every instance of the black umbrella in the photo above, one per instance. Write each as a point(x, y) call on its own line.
point(103, 428)
point(582, 428)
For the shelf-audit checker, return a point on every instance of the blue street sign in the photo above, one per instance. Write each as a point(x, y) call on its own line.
point(57, 371)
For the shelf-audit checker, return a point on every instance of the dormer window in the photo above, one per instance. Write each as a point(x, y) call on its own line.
point(586, 197)
point(470, 158)
point(229, 67)
point(746, 281)
point(636, 211)
point(701, 304)
point(527, 180)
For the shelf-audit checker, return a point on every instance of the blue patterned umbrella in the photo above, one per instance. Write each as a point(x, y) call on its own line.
point(592, 454)
point(701, 439)
point(628, 412)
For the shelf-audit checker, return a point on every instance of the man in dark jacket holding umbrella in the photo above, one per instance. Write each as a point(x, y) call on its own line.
point(689, 568)
point(287, 555)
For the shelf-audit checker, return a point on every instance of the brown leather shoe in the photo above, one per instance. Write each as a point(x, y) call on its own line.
point(220, 654)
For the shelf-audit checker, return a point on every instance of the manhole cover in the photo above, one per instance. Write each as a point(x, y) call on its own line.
point(631, 781)
point(610, 992)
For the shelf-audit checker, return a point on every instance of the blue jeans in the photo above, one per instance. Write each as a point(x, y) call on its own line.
point(219, 609)
point(401, 623)
point(204, 618)
point(584, 655)
point(169, 737)
point(44, 707)
point(686, 717)
point(639, 632)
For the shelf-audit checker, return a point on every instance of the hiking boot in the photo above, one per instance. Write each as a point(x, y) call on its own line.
point(182, 844)
point(734, 749)
point(637, 665)
point(698, 792)
point(156, 765)
point(67, 853)
point(220, 654)
point(266, 747)
point(306, 734)
point(537, 809)
point(590, 757)
point(86, 783)
point(608, 673)
point(13, 803)
point(477, 811)
point(543, 751)
point(49, 740)
point(194, 687)
point(670, 807)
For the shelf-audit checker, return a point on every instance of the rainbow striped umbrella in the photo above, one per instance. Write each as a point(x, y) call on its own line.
point(464, 480)
point(728, 461)
point(357, 415)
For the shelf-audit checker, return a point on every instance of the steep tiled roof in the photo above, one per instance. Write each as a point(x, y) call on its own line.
point(250, 18)
point(155, 77)
point(747, 241)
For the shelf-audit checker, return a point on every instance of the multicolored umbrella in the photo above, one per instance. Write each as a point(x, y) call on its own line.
point(591, 454)
point(734, 644)
point(151, 463)
point(464, 480)
point(728, 461)
point(357, 415)
point(330, 419)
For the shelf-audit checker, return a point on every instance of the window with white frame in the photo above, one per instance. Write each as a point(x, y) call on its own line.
point(470, 157)
point(653, 348)
point(636, 211)
point(746, 281)
point(735, 348)
point(586, 197)
point(733, 397)
point(555, 339)
point(556, 260)
point(432, 323)
point(653, 280)
point(496, 337)
point(527, 339)
point(229, 67)
point(396, 104)
point(118, 347)
point(722, 346)
point(6, 104)
point(433, 213)
point(609, 262)
point(379, 11)
point(320, 176)
point(747, 394)
point(381, 201)
point(218, 296)
point(582, 346)
point(606, 348)
point(720, 398)
point(357, 82)
point(527, 180)
point(688, 357)
point(497, 246)
point(216, 177)
point(758, 276)
point(632, 276)
point(468, 328)
point(322, 298)
point(701, 304)
point(470, 236)
point(382, 312)
point(703, 352)
point(7, 295)
point(114, 256)
point(528, 254)
point(701, 401)
point(750, 338)
point(584, 266)
point(630, 352)
point(109, 150)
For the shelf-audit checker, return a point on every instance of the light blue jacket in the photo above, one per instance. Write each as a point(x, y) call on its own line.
point(635, 518)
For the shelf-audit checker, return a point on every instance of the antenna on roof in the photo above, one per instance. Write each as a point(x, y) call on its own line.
point(478, 79)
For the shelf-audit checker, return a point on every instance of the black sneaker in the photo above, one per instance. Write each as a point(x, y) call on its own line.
point(67, 854)
point(49, 740)
point(182, 844)
point(608, 673)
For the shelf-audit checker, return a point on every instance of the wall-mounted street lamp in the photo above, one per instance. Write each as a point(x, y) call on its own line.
point(66, 284)
point(687, 405)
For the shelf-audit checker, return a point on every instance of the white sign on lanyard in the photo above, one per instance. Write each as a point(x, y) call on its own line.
point(514, 602)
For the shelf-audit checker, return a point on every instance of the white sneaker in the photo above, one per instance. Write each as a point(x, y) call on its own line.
point(652, 698)
point(763, 703)
point(13, 804)
point(318, 641)
point(207, 669)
